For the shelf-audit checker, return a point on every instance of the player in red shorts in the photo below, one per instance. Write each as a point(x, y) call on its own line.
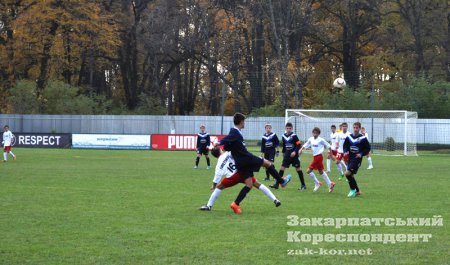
point(341, 159)
point(7, 143)
point(317, 145)
point(331, 156)
point(226, 167)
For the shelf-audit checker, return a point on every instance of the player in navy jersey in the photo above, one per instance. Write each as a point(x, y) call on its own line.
point(357, 146)
point(269, 146)
point(291, 146)
point(246, 162)
point(203, 141)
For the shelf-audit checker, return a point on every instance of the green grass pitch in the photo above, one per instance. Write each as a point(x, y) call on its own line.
point(141, 207)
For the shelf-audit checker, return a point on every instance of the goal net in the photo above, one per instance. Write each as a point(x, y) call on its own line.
point(390, 132)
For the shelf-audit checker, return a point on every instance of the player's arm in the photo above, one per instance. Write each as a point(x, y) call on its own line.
point(366, 147)
point(297, 143)
point(263, 144)
point(305, 145)
point(276, 143)
point(346, 146)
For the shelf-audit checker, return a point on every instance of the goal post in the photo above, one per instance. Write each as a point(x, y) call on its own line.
point(391, 132)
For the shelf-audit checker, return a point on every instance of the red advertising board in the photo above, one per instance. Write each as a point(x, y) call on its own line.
point(178, 141)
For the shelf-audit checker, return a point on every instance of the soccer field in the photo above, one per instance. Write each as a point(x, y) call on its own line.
point(141, 207)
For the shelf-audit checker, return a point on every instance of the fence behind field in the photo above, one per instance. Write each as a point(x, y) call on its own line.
point(428, 131)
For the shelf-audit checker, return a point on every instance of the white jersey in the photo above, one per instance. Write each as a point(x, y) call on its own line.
point(366, 135)
point(341, 139)
point(7, 138)
point(225, 167)
point(333, 139)
point(317, 145)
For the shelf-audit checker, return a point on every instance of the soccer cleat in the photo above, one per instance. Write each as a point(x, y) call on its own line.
point(317, 186)
point(274, 186)
point(352, 194)
point(277, 203)
point(14, 158)
point(330, 189)
point(370, 167)
point(302, 187)
point(286, 181)
point(208, 167)
point(236, 208)
point(266, 179)
point(205, 208)
point(196, 167)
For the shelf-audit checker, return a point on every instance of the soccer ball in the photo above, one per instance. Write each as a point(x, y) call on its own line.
point(339, 82)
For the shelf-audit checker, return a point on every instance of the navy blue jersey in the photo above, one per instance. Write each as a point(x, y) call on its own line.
point(234, 142)
point(269, 142)
point(203, 140)
point(356, 145)
point(291, 143)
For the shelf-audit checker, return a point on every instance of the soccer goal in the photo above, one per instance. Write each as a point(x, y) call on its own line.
point(390, 132)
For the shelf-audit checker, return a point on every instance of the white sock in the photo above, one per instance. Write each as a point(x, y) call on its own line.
point(5, 156)
point(369, 159)
point(340, 169)
point(267, 192)
point(311, 174)
point(326, 178)
point(343, 163)
point(11, 153)
point(328, 164)
point(213, 197)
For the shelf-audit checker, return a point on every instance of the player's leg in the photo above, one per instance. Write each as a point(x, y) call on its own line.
point(300, 174)
point(267, 156)
point(369, 160)
point(197, 159)
point(246, 189)
point(6, 150)
point(339, 157)
point(207, 159)
point(350, 175)
point(225, 183)
point(273, 172)
point(267, 192)
point(12, 154)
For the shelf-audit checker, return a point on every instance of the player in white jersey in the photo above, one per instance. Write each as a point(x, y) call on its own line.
point(226, 167)
point(317, 145)
point(341, 158)
point(369, 158)
point(332, 155)
point(7, 143)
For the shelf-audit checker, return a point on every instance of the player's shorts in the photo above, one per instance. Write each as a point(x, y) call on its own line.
point(353, 165)
point(7, 148)
point(288, 160)
point(333, 152)
point(270, 155)
point(317, 163)
point(234, 179)
point(342, 156)
point(203, 151)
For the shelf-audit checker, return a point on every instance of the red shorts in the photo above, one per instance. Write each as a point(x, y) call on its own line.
point(333, 152)
point(341, 156)
point(233, 180)
point(7, 148)
point(317, 163)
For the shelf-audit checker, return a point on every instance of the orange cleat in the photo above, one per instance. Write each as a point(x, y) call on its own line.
point(236, 208)
point(14, 158)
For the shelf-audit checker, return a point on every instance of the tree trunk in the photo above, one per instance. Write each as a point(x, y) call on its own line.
point(44, 66)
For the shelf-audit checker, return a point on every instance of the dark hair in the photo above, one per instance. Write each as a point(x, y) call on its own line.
point(333, 126)
point(357, 124)
point(238, 118)
point(289, 125)
point(345, 124)
point(215, 151)
point(6, 126)
point(316, 129)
